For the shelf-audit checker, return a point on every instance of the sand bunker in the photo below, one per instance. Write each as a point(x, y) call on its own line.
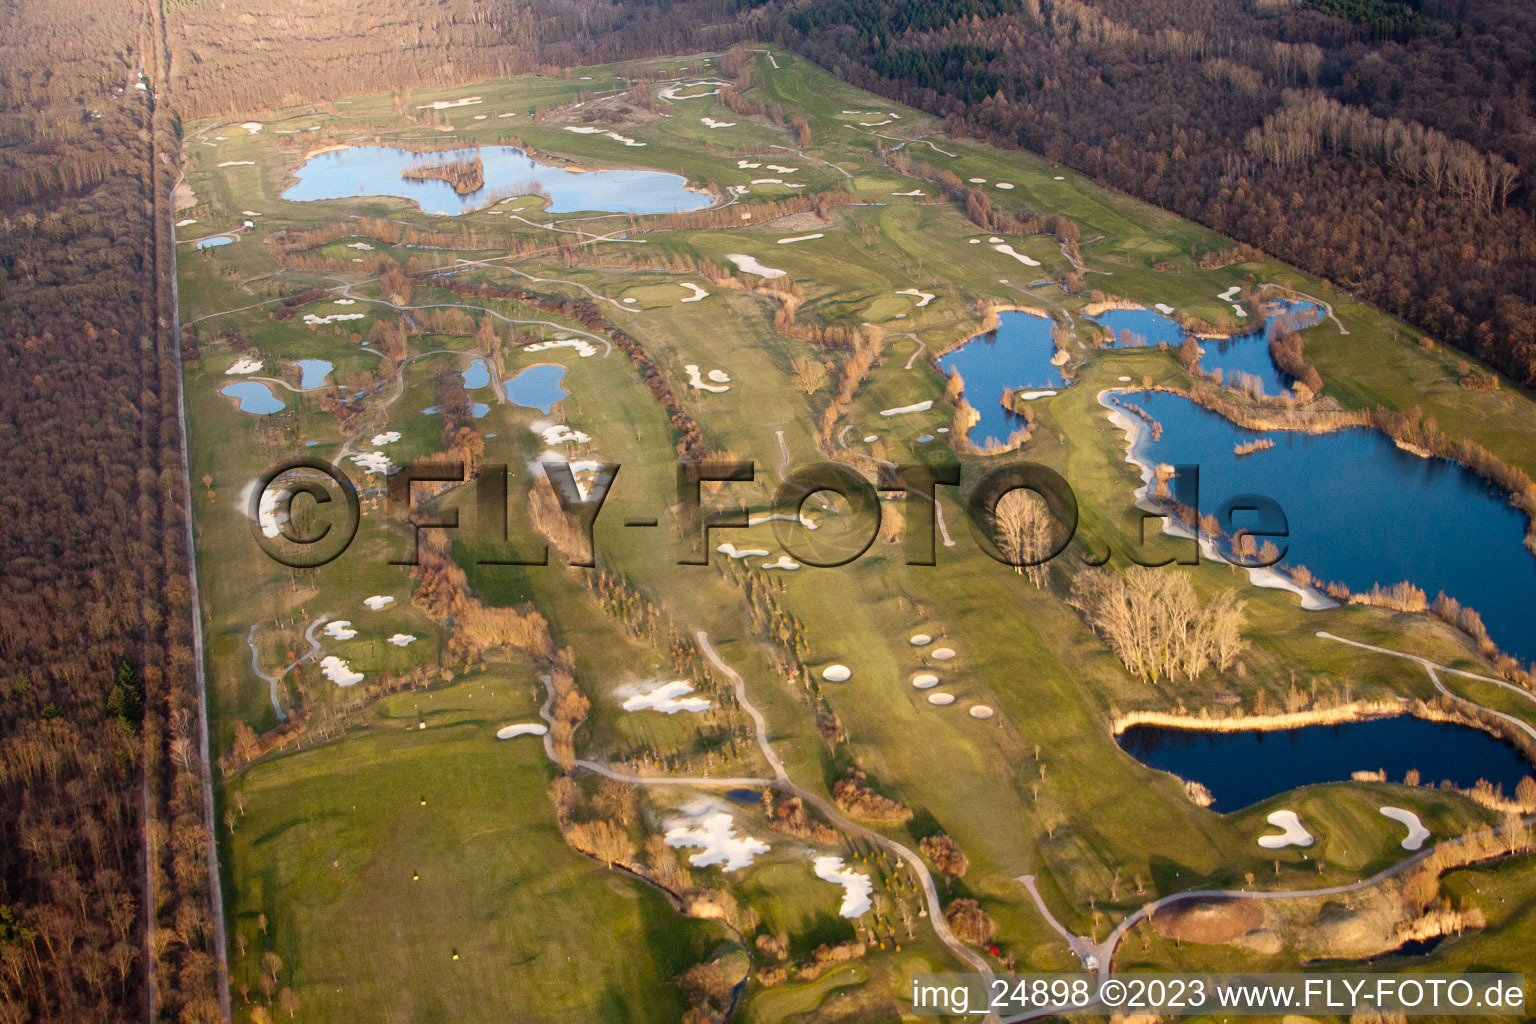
point(467, 101)
point(1124, 379)
point(1163, 308)
point(507, 732)
point(901, 410)
point(252, 127)
point(698, 383)
point(921, 640)
point(943, 653)
point(1059, 177)
point(340, 629)
point(716, 834)
point(801, 238)
point(360, 246)
point(671, 92)
point(974, 241)
point(732, 551)
point(1008, 250)
point(1005, 185)
point(402, 639)
point(767, 181)
point(803, 519)
point(719, 376)
point(697, 292)
point(747, 165)
point(185, 221)
point(374, 462)
point(1293, 834)
point(710, 122)
point(1030, 396)
point(378, 601)
point(923, 298)
point(978, 181)
point(784, 562)
point(981, 711)
point(584, 349)
point(559, 433)
point(1226, 296)
point(238, 163)
point(871, 438)
point(668, 698)
point(857, 886)
point(1238, 311)
point(331, 318)
point(782, 169)
point(925, 681)
point(388, 437)
point(1417, 833)
point(836, 673)
point(941, 699)
point(339, 672)
point(914, 192)
point(749, 264)
point(244, 366)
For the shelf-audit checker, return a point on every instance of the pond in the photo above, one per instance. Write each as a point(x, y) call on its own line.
point(477, 376)
point(376, 171)
point(214, 242)
point(1242, 768)
point(254, 396)
point(1015, 355)
point(312, 372)
point(537, 387)
point(1362, 511)
point(1246, 353)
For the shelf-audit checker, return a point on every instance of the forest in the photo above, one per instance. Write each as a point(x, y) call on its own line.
point(1382, 146)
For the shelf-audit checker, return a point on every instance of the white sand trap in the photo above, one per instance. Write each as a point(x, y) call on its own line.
point(943, 430)
point(238, 163)
point(1124, 380)
point(584, 129)
point(698, 383)
point(1005, 185)
point(794, 184)
point(978, 181)
point(1030, 396)
point(981, 711)
point(345, 302)
point(803, 519)
point(974, 241)
point(1293, 834)
point(923, 298)
point(360, 246)
point(252, 127)
point(732, 551)
point(1226, 296)
point(800, 238)
point(1008, 250)
point(784, 562)
point(871, 438)
point(719, 376)
point(749, 265)
point(467, 101)
point(250, 213)
point(244, 366)
point(710, 122)
point(716, 834)
point(631, 299)
point(668, 698)
point(481, 117)
point(339, 672)
point(584, 349)
point(943, 653)
point(767, 181)
point(388, 437)
point(914, 192)
point(559, 433)
point(1059, 177)
point(902, 410)
point(874, 124)
point(836, 673)
point(507, 732)
point(941, 699)
point(185, 221)
point(782, 169)
point(374, 462)
point(1239, 311)
point(994, 240)
point(331, 318)
point(1417, 833)
point(856, 885)
point(697, 293)
point(402, 639)
point(747, 165)
point(925, 681)
point(921, 640)
point(1163, 308)
point(340, 629)
point(378, 601)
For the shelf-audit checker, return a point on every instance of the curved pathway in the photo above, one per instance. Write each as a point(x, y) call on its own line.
point(273, 680)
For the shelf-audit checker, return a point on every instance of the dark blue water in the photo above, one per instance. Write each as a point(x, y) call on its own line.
point(1362, 511)
point(1240, 353)
point(1242, 768)
point(255, 397)
point(744, 796)
point(537, 387)
point(1016, 355)
point(376, 171)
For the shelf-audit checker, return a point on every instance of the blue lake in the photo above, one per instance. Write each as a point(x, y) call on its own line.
point(214, 242)
point(537, 387)
point(1242, 768)
point(254, 396)
point(477, 376)
point(376, 171)
point(1016, 355)
point(1361, 511)
point(312, 372)
point(1240, 353)
point(476, 409)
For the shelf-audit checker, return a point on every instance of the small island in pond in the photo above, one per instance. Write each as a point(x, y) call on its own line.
point(465, 176)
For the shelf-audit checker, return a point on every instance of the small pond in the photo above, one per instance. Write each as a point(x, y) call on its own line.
point(254, 396)
point(537, 387)
point(1015, 355)
point(312, 372)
